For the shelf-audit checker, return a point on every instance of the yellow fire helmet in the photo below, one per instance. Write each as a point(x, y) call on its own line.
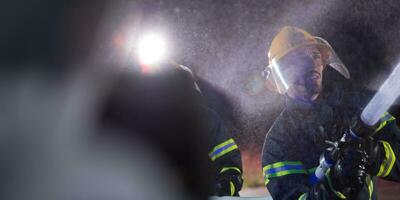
point(289, 39)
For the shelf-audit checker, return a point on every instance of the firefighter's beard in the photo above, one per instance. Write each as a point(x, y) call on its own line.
point(313, 86)
point(307, 87)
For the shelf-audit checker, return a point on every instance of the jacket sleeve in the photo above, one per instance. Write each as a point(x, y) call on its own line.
point(388, 135)
point(285, 173)
point(224, 155)
point(223, 151)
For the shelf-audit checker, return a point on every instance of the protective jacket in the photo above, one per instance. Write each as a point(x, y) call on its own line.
point(222, 148)
point(295, 142)
point(224, 155)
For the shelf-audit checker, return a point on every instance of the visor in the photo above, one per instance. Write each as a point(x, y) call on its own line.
point(275, 72)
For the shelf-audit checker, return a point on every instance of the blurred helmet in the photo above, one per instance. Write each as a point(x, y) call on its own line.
point(292, 38)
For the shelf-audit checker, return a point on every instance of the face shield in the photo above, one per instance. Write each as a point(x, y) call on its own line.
point(282, 74)
point(333, 60)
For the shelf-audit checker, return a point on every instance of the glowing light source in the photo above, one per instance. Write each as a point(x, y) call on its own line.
point(151, 48)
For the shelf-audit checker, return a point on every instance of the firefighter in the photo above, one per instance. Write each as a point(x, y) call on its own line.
point(225, 156)
point(176, 84)
point(223, 152)
point(315, 112)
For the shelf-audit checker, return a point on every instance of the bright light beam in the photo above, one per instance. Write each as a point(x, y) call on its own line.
point(151, 48)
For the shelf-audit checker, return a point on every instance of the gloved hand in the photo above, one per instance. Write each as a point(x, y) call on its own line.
point(229, 183)
point(374, 149)
point(376, 153)
point(349, 173)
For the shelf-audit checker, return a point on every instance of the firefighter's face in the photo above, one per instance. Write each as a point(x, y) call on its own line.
point(303, 68)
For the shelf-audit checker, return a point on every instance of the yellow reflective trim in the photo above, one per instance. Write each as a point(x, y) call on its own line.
point(370, 184)
point(216, 148)
point(285, 168)
point(281, 164)
point(232, 188)
point(388, 161)
point(266, 181)
point(224, 152)
point(385, 119)
point(303, 196)
point(286, 172)
point(337, 193)
point(229, 168)
point(222, 144)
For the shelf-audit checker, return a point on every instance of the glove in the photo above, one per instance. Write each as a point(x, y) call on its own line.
point(376, 153)
point(349, 173)
point(229, 183)
point(374, 149)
